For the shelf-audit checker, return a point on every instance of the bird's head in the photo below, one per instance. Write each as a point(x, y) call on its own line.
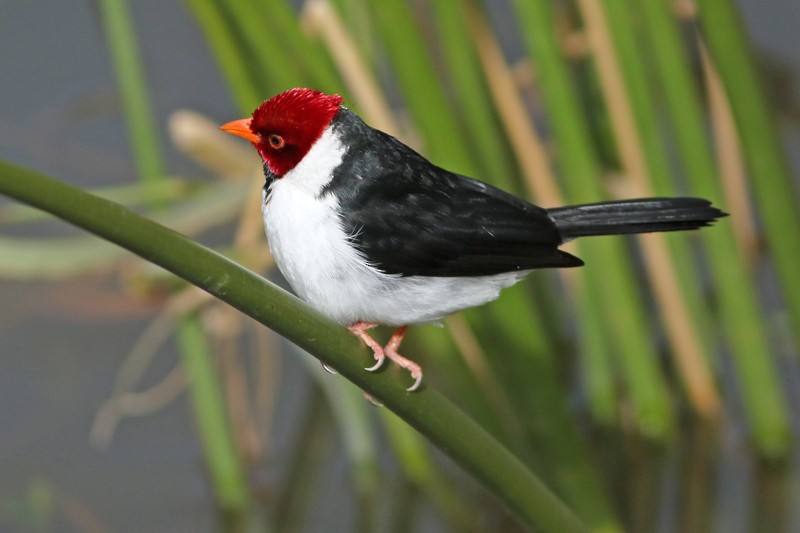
point(284, 128)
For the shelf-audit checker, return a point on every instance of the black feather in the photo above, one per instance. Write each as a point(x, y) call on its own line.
point(410, 217)
point(634, 216)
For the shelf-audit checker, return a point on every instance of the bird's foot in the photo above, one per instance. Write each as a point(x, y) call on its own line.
point(391, 352)
point(359, 329)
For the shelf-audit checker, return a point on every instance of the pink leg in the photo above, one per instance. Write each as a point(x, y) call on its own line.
point(391, 352)
point(359, 329)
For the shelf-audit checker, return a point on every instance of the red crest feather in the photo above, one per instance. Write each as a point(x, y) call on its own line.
point(290, 123)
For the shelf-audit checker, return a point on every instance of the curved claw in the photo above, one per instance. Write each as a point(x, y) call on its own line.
point(379, 358)
point(417, 381)
point(359, 329)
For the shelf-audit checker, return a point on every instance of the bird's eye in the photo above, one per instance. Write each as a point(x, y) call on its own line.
point(276, 141)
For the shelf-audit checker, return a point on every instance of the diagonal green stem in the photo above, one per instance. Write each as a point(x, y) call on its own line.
point(771, 178)
point(418, 79)
point(427, 411)
point(624, 332)
point(739, 308)
point(225, 48)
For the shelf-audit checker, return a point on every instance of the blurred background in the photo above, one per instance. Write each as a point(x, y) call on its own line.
point(655, 390)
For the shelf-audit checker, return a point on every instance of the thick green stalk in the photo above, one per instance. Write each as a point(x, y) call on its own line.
point(742, 319)
point(167, 190)
point(770, 177)
point(426, 410)
point(225, 469)
point(224, 464)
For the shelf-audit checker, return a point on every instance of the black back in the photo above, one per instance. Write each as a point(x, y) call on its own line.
point(412, 218)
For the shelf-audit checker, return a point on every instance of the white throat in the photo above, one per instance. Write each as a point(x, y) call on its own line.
point(315, 170)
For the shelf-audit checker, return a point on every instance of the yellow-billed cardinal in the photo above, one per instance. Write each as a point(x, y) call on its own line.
point(369, 232)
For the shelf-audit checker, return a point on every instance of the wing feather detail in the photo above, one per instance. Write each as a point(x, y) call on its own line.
point(412, 218)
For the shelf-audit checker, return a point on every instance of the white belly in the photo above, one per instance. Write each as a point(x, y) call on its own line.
point(313, 253)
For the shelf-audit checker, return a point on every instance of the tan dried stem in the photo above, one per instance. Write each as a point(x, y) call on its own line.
point(681, 332)
point(730, 160)
point(123, 401)
point(322, 19)
point(528, 147)
point(200, 139)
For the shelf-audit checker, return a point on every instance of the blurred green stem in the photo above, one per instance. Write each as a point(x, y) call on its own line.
point(740, 313)
point(225, 469)
point(426, 410)
point(228, 53)
point(222, 460)
point(487, 140)
point(631, 96)
point(414, 456)
point(132, 85)
point(773, 183)
point(611, 278)
point(352, 416)
point(309, 451)
point(418, 78)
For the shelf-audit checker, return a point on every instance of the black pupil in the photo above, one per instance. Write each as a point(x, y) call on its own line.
point(275, 140)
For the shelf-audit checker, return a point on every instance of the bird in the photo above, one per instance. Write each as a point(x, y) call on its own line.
point(369, 232)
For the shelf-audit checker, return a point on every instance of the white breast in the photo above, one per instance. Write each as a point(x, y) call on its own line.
point(313, 252)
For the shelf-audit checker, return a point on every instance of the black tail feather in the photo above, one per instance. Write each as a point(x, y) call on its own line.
point(644, 215)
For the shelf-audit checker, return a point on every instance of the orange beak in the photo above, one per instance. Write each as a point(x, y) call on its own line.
point(241, 128)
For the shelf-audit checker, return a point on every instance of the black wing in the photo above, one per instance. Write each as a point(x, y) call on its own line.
point(415, 219)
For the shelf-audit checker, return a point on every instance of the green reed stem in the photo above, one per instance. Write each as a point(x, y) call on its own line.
point(739, 309)
point(609, 277)
point(228, 52)
point(772, 181)
point(416, 75)
point(132, 85)
point(225, 469)
point(658, 177)
point(486, 137)
point(222, 460)
point(426, 410)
